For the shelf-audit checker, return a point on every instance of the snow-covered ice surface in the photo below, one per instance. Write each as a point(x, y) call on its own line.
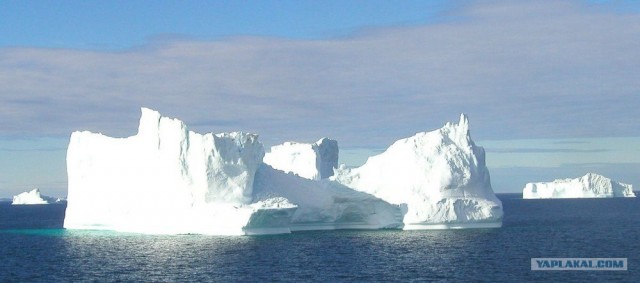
point(169, 180)
point(588, 186)
point(440, 175)
point(33, 197)
point(311, 161)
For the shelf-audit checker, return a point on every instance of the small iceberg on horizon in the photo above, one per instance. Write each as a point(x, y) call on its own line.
point(33, 197)
point(590, 185)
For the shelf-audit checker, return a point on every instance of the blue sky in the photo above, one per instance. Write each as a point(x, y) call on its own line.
point(531, 75)
point(113, 25)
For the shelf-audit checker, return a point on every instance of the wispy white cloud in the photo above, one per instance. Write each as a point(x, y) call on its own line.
point(520, 69)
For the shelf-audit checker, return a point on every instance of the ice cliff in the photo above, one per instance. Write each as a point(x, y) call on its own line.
point(588, 186)
point(167, 179)
point(33, 197)
point(440, 175)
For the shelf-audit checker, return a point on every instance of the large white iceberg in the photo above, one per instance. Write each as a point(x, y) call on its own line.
point(588, 186)
point(167, 179)
point(311, 161)
point(441, 176)
point(33, 197)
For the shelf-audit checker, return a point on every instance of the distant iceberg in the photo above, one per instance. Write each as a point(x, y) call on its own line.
point(588, 186)
point(169, 180)
point(33, 197)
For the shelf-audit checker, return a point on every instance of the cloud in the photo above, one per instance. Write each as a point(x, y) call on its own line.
point(520, 69)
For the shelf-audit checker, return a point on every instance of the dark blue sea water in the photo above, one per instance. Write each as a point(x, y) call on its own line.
point(33, 247)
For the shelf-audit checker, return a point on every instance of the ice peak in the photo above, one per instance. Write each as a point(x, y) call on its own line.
point(149, 121)
point(149, 114)
point(464, 121)
point(459, 133)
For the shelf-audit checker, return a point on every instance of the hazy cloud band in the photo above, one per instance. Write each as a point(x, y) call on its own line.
point(520, 69)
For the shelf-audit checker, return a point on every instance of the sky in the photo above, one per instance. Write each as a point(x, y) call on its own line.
point(550, 87)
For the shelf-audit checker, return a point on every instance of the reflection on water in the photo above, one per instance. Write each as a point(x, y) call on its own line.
point(38, 250)
point(347, 255)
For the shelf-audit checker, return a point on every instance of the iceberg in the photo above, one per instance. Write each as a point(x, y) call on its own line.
point(440, 175)
point(590, 185)
point(169, 180)
point(311, 161)
point(33, 197)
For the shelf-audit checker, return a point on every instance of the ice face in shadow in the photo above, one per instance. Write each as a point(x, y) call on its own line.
point(33, 197)
point(588, 186)
point(441, 176)
point(311, 161)
point(325, 204)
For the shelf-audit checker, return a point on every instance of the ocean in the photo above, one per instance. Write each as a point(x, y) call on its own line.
point(35, 248)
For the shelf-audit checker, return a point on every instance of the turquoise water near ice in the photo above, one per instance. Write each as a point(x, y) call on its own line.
point(35, 248)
